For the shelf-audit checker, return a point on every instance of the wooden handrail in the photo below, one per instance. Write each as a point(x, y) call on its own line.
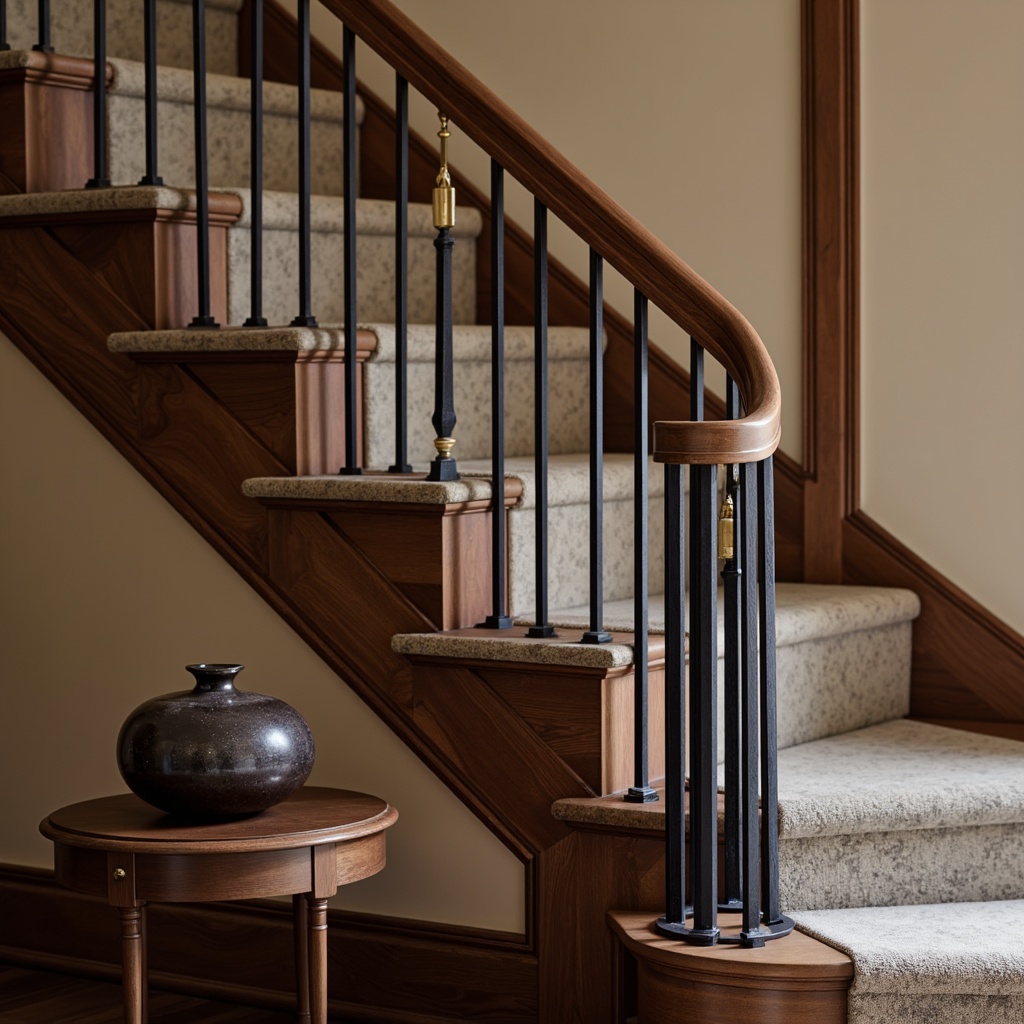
point(603, 224)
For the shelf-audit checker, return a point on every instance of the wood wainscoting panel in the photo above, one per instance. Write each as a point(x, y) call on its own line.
point(385, 969)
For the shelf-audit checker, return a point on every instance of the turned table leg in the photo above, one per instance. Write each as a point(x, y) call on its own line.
point(133, 963)
point(300, 928)
point(317, 960)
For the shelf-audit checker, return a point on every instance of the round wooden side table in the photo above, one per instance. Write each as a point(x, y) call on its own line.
point(131, 853)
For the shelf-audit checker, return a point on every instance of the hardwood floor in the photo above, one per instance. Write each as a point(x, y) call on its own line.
point(39, 997)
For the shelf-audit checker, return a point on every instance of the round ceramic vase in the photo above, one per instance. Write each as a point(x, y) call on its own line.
point(214, 751)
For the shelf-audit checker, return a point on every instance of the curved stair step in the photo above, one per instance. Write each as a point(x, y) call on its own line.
point(950, 963)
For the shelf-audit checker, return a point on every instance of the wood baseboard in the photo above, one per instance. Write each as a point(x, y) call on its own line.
point(380, 968)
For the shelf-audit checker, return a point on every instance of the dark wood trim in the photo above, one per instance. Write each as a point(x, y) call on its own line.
point(830, 180)
point(380, 968)
point(965, 660)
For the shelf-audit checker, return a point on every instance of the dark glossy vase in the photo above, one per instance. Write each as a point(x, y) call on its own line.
point(214, 751)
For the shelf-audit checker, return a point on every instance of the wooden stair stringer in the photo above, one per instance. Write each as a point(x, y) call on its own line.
point(59, 312)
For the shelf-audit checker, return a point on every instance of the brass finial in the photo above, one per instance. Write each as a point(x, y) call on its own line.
point(444, 193)
point(444, 446)
point(726, 530)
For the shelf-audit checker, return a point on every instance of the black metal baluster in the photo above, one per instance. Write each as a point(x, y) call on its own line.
point(772, 914)
point(305, 316)
point(731, 574)
point(443, 466)
point(751, 933)
point(542, 627)
point(596, 634)
point(149, 35)
point(704, 707)
point(203, 318)
point(44, 45)
point(673, 923)
point(498, 619)
point(640, 792)
point(401, 463)
point(99, 177)
point(256, 317)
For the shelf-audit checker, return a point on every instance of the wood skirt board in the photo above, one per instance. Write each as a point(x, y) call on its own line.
point(796, 979)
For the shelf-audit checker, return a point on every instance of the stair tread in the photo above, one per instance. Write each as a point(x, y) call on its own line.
point(228, 92)
point(944, 948)
point(899, 776)
point(803, 611)
point(280, 209)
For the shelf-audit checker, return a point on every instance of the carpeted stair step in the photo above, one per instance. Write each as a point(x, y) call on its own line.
point(901, 813)
point(72, 30)
point(228, 100)
point(950, 963)
point(375, 252)
point(568, 382)
point(842, 654)
point(374, 247)
point(568, 529)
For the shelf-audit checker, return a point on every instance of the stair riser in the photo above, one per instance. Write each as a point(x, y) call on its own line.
point(964, 1008)
point(875, 869)
point(567, 425)
point(568, 557)
point(375, 296)
point(71, 31)
point(228, 147)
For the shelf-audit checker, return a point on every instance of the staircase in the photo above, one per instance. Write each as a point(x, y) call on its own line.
point(900, 842)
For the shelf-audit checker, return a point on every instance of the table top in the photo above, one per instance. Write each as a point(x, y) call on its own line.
point(311, 816)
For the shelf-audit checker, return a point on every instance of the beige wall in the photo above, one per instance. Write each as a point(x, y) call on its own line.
point(687, 112)
point(942, 116)
point(107, 593)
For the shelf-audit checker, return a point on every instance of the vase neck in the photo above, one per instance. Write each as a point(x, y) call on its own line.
point(214, 677)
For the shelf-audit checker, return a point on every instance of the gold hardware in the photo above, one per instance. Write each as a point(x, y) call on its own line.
point(444, 446)
point(726, 530)
point(444, 193)
point(120, 873)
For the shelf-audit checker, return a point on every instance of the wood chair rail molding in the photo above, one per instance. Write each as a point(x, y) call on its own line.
point(598, 220)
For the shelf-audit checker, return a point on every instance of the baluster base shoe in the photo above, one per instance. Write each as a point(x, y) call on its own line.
point(641, 795)
point(497, 622)
point(443, 471)
point(596, 636)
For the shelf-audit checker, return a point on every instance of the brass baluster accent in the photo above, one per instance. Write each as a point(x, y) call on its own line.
point(443, 466)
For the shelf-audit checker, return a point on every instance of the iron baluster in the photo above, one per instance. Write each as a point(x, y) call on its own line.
point(596, 634)
point(704, 706)
point(149, 42)
point(541, 628)
point(99, 177)
point(305, 316)
point(443, 466)
point(401, 463)
point(498, 619)
point(256, 317)
point(44, 45)
point(729, 551)
point(751, 933)
point(640, 792)
point(4, 45)
point(674, 921)
point(348, 162)
point(203, 318)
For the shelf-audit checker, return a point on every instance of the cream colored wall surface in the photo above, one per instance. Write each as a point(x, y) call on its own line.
point(942, 262)
point(107, 593)
point(687, 112)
